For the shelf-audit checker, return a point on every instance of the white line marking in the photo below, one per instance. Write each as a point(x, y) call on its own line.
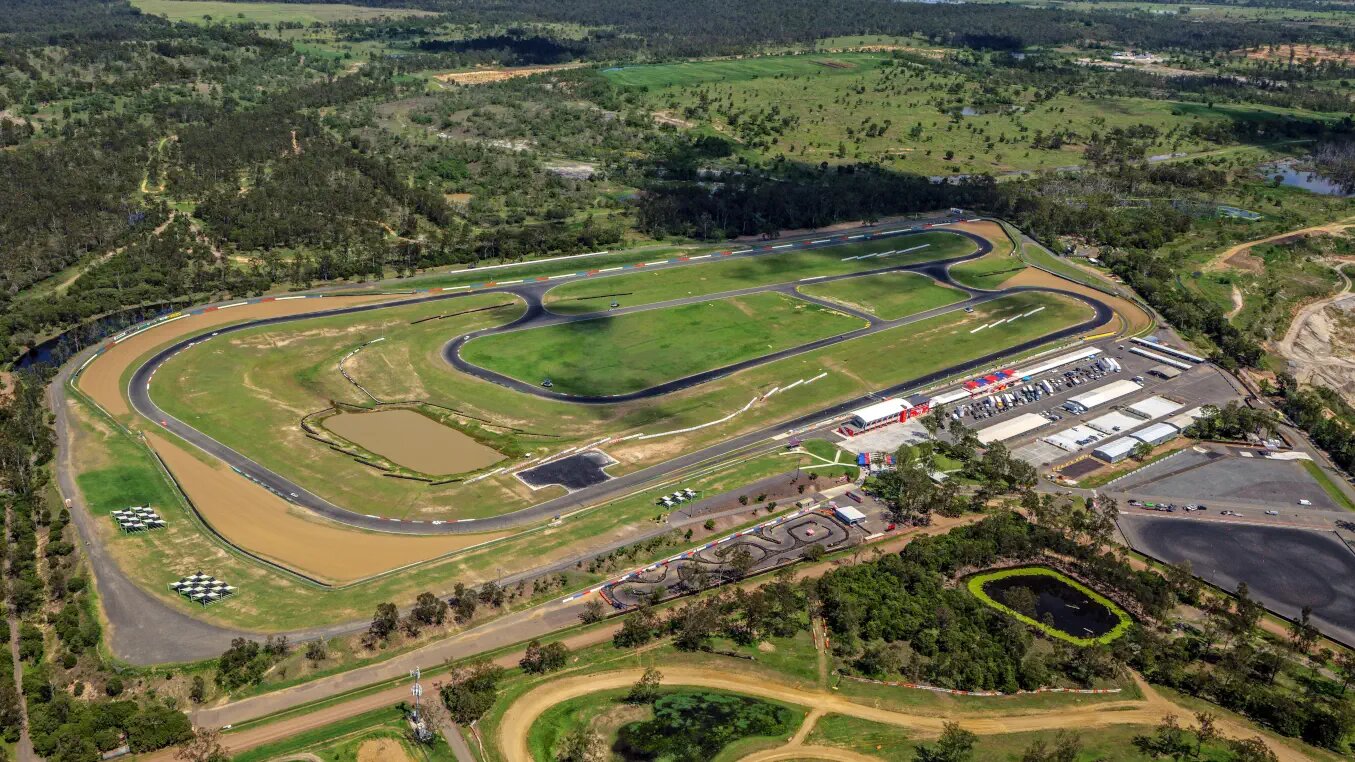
point(854, 237)
point(816, 277)
point(784, 246)
point(228, 306)
point(509, 282)
point(608, 269)
point(703, 256)
point(285, 298)
point(660, 262)
point(822, 240)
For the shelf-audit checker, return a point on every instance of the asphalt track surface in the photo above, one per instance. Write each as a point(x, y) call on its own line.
point(536, 315)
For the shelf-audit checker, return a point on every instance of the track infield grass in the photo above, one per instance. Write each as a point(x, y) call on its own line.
point(701, 279)
point(261, 381)
point(628, 353)
point(888, 296)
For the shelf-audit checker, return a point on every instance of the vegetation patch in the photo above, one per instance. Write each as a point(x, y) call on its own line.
point(616, 355)
point(978, 586)
point(889, 296)
point(693, 726)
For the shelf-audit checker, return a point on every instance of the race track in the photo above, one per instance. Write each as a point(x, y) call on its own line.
point(537, 315)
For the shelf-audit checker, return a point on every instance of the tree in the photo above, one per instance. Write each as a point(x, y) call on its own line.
point(1169, 741)
point(316, 650)
point(1251, 750)
point(646, 689)
point(205, 746)
point(592, 612)
point(741, 561)
point(429, 609)
point(548, 658)
point(1206, 731)
point(1302, 634)
point(198, 693)
point(1246, 613)
point(637, 629)
point(582, 745)
point(384, 621)
point(470, 690)
point(1066, 748)
point(1141, 451)
point(955, 745)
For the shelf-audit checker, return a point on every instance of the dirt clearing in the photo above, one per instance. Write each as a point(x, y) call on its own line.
point(382, 750)
point(1130, 318)
point(485, 76)
point(263, 523)
point(102, 380)
point(414, 441)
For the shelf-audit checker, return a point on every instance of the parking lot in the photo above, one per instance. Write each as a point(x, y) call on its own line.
point(1285, 568)
point(1230, 475)
point(1201, 385)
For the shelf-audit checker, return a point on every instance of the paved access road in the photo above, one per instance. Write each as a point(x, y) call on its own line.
point(139, 388)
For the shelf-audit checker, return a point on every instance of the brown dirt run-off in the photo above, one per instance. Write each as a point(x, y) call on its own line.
point(255, 519)
point(414, 441)
point(382, 750)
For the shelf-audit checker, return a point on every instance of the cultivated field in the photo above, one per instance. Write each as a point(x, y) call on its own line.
point(628, 353)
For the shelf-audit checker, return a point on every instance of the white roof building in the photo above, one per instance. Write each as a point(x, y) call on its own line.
point(1156, 434)
point(1154, 407)
point(1075, 439)
point(880, 412)
point(1114, 422)
point(1012, 427)
point(1116, 450)
point(1097, 397)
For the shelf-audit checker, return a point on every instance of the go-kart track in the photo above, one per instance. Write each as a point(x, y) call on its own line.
point(536, 315)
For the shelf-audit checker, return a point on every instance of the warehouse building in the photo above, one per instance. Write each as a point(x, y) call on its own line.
point(1153, 408)
point(1114, 390)
point(1181, 420)
point(1075, 438)
point(1164, 371)
point(1114, 422)
point(1156, 434)
point(1116, 450)
point(879, 414)
point(1011, 428)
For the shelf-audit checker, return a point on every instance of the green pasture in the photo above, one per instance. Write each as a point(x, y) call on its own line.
point(988, 272)
point(912, 116)
point(199, 11)
point(888, 296)
point(627, 353)
point(737, 69)
point(703, 278)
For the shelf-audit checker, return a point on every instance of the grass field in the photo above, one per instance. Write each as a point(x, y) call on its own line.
point(717, 276)
point(988, 273)
point(735, 70)
point(200, 11)
point(343, 741)
point(916, 116)
point(114, 472)
point(616, 355)
point(888, 296)
point(258, 396)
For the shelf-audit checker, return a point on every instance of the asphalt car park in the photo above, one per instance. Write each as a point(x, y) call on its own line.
point(1285, 568)
point(577, 471)
point(1225, 474)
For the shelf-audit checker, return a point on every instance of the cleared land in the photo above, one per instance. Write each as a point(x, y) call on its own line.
point(733, 70)
point(413, 440)
point(888, 296)
point(200, 11)
point(717, 276)
point(607, 355)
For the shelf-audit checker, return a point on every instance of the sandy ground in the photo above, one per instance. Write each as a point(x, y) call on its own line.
point(517, 721)
point(263, 523)
point(1315, 348)
point(1131, 317)
point(382, 750)
point(484, 76)
point(102, 380)
point(414, 441)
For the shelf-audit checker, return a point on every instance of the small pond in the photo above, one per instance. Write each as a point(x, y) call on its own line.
point(1290, 174)
point(1071, 610)
point(414, 441)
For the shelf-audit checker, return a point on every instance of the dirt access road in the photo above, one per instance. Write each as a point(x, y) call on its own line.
point(517, 721)
point(1220, 260)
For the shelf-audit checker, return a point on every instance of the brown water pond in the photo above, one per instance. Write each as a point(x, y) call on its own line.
point(414, 441)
